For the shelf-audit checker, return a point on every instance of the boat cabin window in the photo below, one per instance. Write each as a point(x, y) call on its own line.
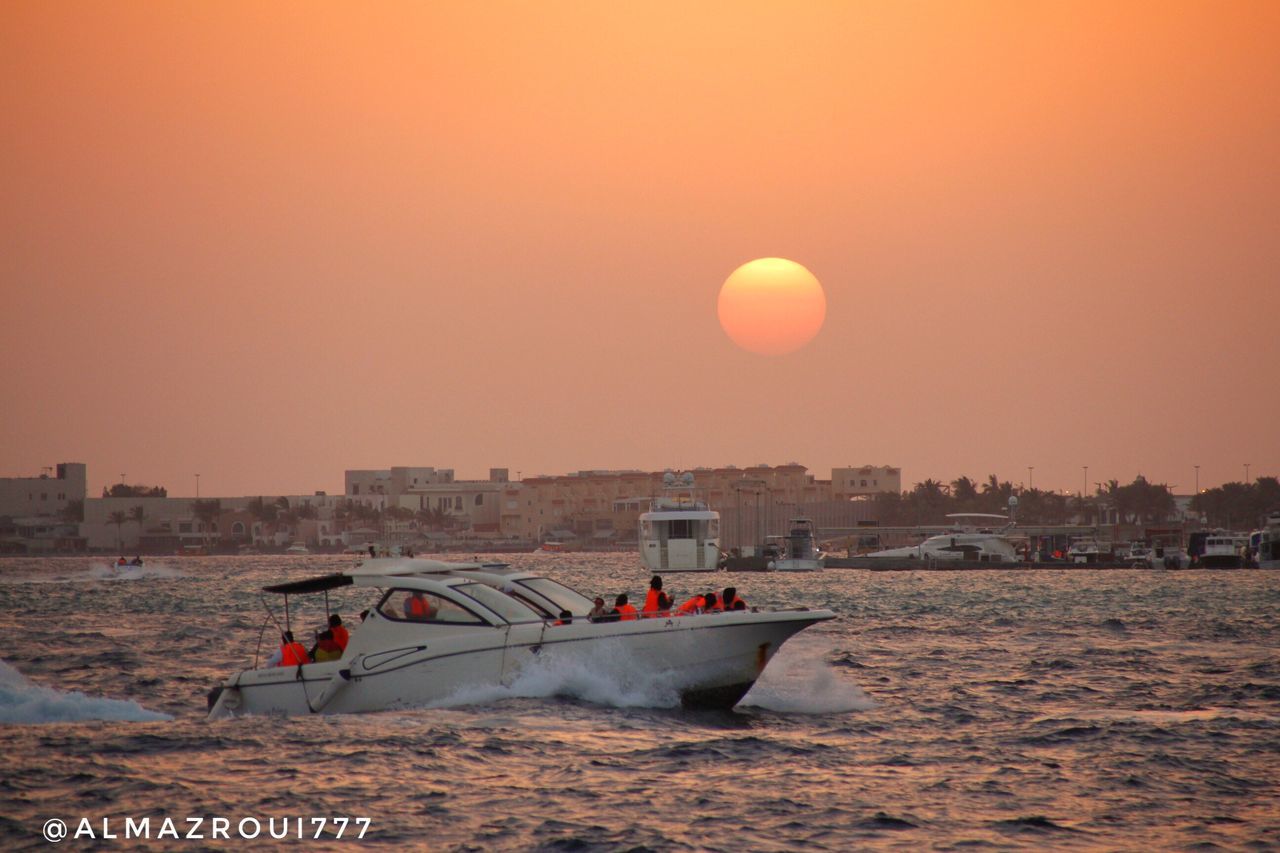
point(510, 609)
point(559, 595)
point(412, 605)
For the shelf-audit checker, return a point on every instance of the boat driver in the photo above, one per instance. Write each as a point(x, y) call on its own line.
point(418, 608)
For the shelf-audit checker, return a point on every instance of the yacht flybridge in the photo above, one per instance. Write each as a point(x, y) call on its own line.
point(435, 629)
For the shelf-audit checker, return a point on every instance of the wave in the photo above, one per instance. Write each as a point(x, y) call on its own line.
point(112, 572)
point(25, 703)
point(601, 677)
point(799, 680)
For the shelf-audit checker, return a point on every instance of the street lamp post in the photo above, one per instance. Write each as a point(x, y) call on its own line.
point(197, 485)
point(1085, 487)
point(1197, 479)
point(1031, 480)
point(1246, 473)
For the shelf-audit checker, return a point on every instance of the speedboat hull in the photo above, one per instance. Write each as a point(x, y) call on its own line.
point(709, 660)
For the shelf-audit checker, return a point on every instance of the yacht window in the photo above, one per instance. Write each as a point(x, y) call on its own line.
point(411, 605)
point(559, 595)
point(509, 608)
point(680, 528)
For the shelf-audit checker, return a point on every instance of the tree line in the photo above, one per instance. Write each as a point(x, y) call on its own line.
point(931, 501)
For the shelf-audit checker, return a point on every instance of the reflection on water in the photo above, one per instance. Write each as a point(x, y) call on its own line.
point(1039, 709)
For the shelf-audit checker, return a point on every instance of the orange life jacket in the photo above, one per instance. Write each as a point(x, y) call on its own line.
point(417, 607)
point(341, 636)
point(728, 605)
point(693, 605)
point(292, 654)
point(627, 612)
point(652, 607)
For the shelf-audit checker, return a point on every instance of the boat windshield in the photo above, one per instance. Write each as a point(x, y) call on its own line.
point(559, 594)
point(504, 605)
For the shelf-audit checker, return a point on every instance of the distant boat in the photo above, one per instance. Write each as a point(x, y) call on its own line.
point(973, 538)
point(679, 535)
point(297, 548)
point(799, 550)
point(1224, 551)
point(1269, 543)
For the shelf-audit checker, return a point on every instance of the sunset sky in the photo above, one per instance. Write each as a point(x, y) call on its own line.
point(268, 242)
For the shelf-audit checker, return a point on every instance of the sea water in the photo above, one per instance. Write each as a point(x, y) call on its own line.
point(1039, 709)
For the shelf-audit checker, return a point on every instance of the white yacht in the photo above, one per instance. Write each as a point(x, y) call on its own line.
point(1268, 555)
point(435, 629)
point(799, 553)
point(1084, 549)
point(974, 537)
point(679, 533)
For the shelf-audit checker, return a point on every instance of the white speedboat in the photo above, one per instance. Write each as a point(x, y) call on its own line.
point(799, 552)
point(968, 540)
point(435, 629)
point(679, 535)
point(297, 548)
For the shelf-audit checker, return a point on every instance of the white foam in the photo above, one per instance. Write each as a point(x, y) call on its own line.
point(798, 680)
point(112, 572)
point(601, 677)
point(22, 702)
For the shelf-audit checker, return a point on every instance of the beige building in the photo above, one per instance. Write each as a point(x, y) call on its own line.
point(868, 480)
point(588, 503)
point(45, 495)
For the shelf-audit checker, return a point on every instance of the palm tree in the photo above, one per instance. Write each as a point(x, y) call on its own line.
point(118, 518)
point(206, 511)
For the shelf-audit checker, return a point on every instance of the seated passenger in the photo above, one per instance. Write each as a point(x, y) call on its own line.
point(566, 618)
point(417, 608)
point(712, 604)
point(694, 605)
point(739, 604)
point(326, 648)
point(626, 611)
point(597, 612)
point(341, 635)
point(654, 598)
point(729, 597)
point(290, 653)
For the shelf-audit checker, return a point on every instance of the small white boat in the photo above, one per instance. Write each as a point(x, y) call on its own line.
point(297, 548)
point(799, 551)
point(1224, 551)
point(435, 629)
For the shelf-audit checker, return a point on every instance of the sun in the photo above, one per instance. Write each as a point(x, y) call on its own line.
point(772, 306)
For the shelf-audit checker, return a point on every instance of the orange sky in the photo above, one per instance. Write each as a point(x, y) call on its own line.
point(268, 242)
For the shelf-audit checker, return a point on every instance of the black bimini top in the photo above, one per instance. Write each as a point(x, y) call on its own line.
point(320, 584)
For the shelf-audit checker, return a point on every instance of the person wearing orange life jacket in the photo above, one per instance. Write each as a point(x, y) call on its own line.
point(290, 653)
point(626, 612)
point(326, 648)
point(655, 598)
point(341, 635)
point(729, 597)
point(694, 605)
point(417, 608)
point(713, 604)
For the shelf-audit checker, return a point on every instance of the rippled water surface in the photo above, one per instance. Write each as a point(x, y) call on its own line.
point(1046, 710)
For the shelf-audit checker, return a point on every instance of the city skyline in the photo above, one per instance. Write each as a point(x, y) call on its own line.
point(1088, 482)
point(264, 245)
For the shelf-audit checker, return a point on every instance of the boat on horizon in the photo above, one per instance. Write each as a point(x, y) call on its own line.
point(798, 550)
point(972, 538)
point(436, 629)
point(1268, 547)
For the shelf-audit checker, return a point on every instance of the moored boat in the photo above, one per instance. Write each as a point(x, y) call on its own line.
point(435, 629)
